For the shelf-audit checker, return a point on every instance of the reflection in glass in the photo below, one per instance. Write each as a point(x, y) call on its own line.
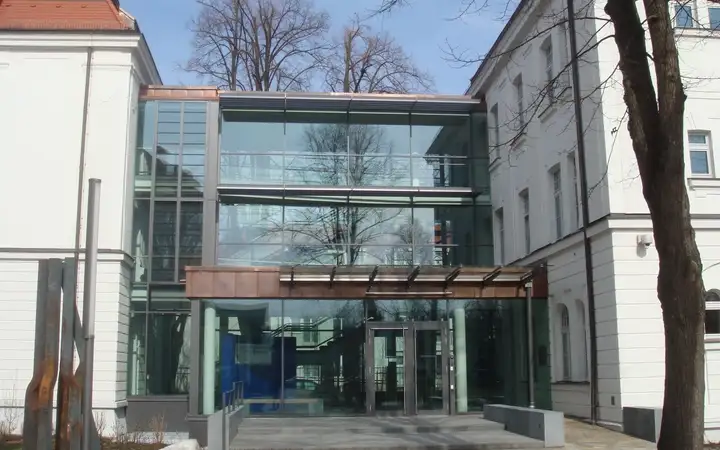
point(190, 251)
point(325, 339)
point(339, 149)
point(141, 240)
point(428, 370)
point(389, 369)
point(251, 234)
point(493, 366)
point(164, 232)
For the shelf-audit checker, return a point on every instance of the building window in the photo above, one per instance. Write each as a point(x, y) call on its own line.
point(683, 15)
point(548, 67)
point(583, 335)
point(495, 129)
point(714, 14)
point(575, 196)
point(565, 341)
point(557, 196)
point(525, 210)
point(500, 223)
point(699, 152)
point(519, 102)
point(712, 311)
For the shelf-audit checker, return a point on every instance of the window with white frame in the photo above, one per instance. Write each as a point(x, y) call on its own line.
point(556, 183)
point(565, 342)
point(700, 153)
point(495, 117)
point(519, 102)
point(583, 335)
point(575, 196)
point(500, 224)
point(684, 14)
point(548, 69)
point(525, 211)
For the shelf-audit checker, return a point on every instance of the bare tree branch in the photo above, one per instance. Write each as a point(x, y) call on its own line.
point(365, 61)
point(261, 45)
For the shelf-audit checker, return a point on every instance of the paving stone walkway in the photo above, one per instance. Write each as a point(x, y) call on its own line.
point(581, 436)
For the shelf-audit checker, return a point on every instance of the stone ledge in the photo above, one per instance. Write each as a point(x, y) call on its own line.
point(642, 423)
point(540, 424)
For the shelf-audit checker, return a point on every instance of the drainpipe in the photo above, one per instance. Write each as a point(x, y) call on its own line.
point(589, 276)
point(81, 163)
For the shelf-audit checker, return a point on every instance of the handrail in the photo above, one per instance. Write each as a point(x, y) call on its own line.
point(232, 400)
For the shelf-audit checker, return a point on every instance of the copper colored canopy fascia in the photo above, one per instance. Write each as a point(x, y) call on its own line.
point(356, 282)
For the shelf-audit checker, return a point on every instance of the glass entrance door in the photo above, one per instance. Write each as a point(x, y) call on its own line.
point(407, 367)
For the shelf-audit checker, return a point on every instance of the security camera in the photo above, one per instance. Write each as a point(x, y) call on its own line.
point(645, 240)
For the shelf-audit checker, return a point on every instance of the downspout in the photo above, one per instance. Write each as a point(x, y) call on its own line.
point(589, 276)
point(81, 164)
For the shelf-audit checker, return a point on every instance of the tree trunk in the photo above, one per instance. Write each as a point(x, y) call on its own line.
point(655, 123)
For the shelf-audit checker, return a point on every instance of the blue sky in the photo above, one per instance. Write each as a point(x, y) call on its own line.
point(423, 30)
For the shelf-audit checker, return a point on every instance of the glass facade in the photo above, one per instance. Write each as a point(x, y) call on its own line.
point(257, 187)
point(167, 237)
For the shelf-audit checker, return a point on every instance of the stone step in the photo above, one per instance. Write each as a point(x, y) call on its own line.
point(482, 440)
point(377, 425)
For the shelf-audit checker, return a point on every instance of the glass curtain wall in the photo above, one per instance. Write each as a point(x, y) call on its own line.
point(350, 234)
point(306, 357)
point(351, 149)
point(167, 237)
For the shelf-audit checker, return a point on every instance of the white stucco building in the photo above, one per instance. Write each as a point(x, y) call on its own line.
point(69, 81)
point(537, 200)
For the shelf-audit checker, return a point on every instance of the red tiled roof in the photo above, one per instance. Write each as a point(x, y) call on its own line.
point(41, 15)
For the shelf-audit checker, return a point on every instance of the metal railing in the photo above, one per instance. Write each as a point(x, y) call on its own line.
point(232, 400)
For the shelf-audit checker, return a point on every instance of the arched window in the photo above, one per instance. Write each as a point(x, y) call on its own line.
point(565, 340)
point(583, 336)
point(712, 311)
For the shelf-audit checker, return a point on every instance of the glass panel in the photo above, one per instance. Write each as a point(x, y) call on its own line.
point(443, 236)
point(249, 343)
point(251, 147)
point(141, 239)
point(145, 139)
point(250, 234)
point(493, 333)
point(168, 353)
point(389, 369)
point(428, 370)
point(440, 151)
point(379, 146)
point(683, 16)
point(324, 364)
point(316, 151)
point(404, 310)
point(137, 374)
point(714, 18)
point(164, 232)
point(699, 162)
point(191, 219)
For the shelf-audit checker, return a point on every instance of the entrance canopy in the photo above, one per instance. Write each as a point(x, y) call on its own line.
point(360, 282)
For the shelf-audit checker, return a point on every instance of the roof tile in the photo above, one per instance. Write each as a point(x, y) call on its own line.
point(43, 15)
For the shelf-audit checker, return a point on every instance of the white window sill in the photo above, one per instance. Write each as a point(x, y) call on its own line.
point(701, 183)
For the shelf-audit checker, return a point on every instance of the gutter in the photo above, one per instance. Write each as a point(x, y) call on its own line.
point(81, 163)
point(589, 275)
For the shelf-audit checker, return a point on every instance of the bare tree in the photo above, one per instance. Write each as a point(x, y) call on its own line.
point(260, 45)
point(365, 61)
point(655, 112)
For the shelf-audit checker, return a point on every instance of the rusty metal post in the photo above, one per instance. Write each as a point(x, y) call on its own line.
point(67, 424)
point(89, 291)
point(37, 426)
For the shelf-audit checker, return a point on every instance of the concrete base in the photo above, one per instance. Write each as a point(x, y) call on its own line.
point(642, 423)
point(540, 424)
